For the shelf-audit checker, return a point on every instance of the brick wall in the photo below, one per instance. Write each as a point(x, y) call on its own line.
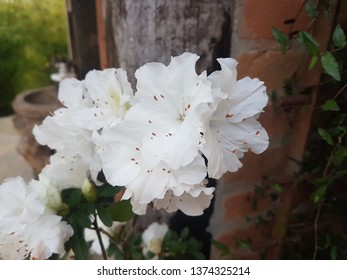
point(245, 206)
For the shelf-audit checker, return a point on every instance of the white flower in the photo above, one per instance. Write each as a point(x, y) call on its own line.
point(19, 202)
point(125, 165)
point(47, 235)
point(152, 238)
point(170, 107)
point(233, 128)
point(75, 155)
point(66, 171)
point(28, 223)
point(99, 101)
point(105, 98)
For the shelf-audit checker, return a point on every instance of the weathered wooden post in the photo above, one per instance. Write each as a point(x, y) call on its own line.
point(137, 32)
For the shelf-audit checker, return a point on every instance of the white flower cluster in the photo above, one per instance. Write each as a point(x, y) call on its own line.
point(29, 225)
point(161, 142)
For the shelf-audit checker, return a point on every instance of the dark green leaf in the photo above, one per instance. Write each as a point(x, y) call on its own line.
point(325, 136)
point(185, 233)
point(104, 215)
point(107, 191)
point(198, 256)
point(150, 255)
point(333, 253)
point(281, 38)
point(322, 181)
point(342, 129)
point(319, 194)
point(273, 96)
point(243, 244)
point(276, 187)
point(339, 156)
point(310, 43)
point(81, 219)
point(313, 62)
point(330, 105)
point(311, 9)
point(74, 198)
point(219, 245)
point(330, 66)
point(78, 244)
point(121, 211)
point(87, 207)
point(339, 37)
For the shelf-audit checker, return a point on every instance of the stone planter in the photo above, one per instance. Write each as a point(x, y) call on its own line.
point(30, 108)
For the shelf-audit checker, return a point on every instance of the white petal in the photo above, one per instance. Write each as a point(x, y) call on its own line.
point(176, 148)
point(188, 204)
point(120, 154)
point(66, 171)
point(72, 93)
point(148, 185)
point(225, 78)
point(173, 104)
point(248, 99)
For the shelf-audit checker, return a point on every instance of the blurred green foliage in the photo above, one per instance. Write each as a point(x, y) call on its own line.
point(33, 34)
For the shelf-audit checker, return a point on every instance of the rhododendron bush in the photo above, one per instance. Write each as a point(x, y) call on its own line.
point(118, 151)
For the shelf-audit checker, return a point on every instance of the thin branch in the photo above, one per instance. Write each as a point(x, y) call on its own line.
point(98, 233)
point(316, 231)
point(340, 91)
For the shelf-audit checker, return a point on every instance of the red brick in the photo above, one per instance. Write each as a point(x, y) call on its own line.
point(242, 204)
point(258, 17)
point(275, 120)
point(272, 67)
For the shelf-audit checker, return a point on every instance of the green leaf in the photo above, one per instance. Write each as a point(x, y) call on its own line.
point(330, 66)
point(310, 43)
point(319, 194)
point(330, 105)
point(220, 246)
point(78, 244)
point(325, 136)
point(313, 62)
point(276, 187)
point(81, 219)
point(107, 191)
point(104, 215)
point(339, 156)
point(333, 253)
point(322, 181)
point(311, 9)
point(150, 255)
point(281, 38)
point(243, 244)
point(339, 37)
point(121, 211)
point(185, 233)
point(74, 198)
